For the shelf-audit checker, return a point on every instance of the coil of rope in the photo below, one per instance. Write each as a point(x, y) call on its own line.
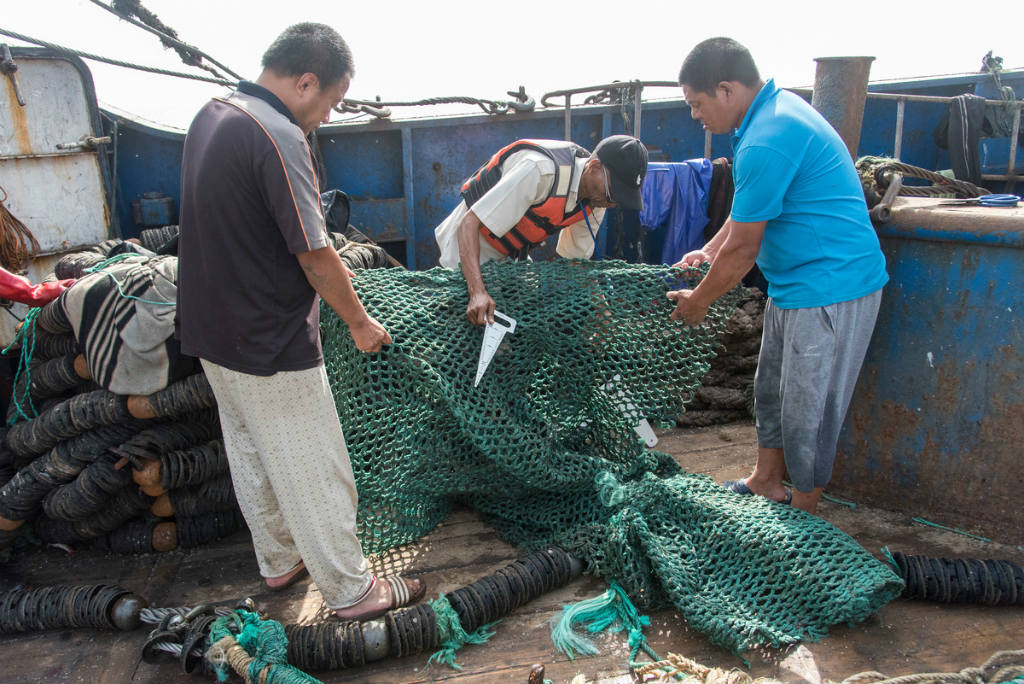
point(18, 245)
point(877, 172)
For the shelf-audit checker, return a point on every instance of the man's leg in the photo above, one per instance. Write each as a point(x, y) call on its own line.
point(294, 425)
point(766, 479)
point(854, 322)
point(824, 348)
point(275, 550)
point(808, 350)
point(807, 501)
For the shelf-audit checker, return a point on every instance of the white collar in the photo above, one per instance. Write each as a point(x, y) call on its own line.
point(574, 185)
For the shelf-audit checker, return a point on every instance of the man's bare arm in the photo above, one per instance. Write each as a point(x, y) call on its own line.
point(327, 275)
point(734, 257)
point(481, 307)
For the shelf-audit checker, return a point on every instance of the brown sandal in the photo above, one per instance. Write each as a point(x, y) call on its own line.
point(401, 595)
point(287, 579)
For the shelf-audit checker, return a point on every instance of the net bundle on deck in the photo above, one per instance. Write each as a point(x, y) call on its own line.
point(544, 445)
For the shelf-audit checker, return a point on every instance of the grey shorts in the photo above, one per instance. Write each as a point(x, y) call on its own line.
point(809, 363)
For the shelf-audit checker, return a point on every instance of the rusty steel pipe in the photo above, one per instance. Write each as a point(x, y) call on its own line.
point(840, 90)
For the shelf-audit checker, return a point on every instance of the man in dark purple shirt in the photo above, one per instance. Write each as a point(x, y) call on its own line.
point(254, 261)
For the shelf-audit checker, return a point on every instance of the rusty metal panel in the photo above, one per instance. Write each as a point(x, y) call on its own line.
point(59, 194)
point(54, 185)
point(936, 423)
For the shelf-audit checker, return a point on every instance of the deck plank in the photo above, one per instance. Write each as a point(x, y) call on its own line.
point(904, 637)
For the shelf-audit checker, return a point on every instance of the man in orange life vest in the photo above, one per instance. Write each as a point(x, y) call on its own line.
point(529, 191)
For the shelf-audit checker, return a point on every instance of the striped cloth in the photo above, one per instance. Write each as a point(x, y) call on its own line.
point(123, 318)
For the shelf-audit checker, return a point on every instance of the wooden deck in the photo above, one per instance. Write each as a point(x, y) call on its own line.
point(905, 637)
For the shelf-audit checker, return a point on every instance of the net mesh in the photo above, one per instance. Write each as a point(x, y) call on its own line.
point(544, 446)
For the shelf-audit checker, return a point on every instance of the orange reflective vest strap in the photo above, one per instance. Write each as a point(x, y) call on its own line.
point(543, 219)
point(487, 176)
point(539, 223)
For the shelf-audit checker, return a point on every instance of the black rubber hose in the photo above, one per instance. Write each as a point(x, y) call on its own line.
point(156, 440)
point(961, 580)
point(333, 645)
point(70, 417)
point(114, 513)
point(212, 496)
point(62, 607)
point(189, 467)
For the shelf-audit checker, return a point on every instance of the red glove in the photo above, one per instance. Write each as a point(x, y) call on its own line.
point(19, 289)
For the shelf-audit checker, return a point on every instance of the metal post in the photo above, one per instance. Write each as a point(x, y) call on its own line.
point(410, 202)
point(707, 144)
point(637, 91)
point(840, 90)
point(1012, 166)
point(568, 118)
point(901, 106)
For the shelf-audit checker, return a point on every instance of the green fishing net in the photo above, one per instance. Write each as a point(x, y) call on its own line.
point(544, 447)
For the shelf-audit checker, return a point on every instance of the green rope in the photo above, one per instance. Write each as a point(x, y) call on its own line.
point(951, 529)
point(833, 499)
point(612, 611)
point(111, 260)
point(26, 339)
point(98, 268)
point(262, 639)
point(451, 636)
point(892, 561)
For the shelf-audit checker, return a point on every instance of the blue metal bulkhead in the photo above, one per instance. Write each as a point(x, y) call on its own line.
point(937, 419)
point(403, 176)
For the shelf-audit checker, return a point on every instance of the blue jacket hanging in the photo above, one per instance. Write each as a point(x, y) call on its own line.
point(675, 196)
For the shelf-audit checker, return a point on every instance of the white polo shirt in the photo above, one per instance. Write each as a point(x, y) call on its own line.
point(526, 179)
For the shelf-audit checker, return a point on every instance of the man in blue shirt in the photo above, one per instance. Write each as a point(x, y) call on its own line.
point(799, 213)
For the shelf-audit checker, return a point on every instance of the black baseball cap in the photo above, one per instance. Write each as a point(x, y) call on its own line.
point(625, 157)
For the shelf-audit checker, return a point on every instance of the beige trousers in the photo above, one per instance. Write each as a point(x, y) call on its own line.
point(292, 476)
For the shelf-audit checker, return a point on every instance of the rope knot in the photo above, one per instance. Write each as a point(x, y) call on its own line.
point(610, 492)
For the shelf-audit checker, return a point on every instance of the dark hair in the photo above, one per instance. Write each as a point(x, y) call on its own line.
point(313, 48)
point(715, 60)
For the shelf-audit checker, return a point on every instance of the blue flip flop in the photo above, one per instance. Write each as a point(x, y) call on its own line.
point(740, 487)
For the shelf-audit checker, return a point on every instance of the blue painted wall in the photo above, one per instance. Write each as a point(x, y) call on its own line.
point(404, 175)
point(935, 425)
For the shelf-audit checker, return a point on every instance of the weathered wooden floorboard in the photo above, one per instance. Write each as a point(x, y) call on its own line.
point(905, 637)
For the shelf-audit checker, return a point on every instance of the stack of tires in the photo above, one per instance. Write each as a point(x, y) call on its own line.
point(726, 393)
point(81, 465)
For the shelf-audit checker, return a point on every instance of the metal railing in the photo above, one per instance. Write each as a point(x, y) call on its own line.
point(605, 93)
point(901, 103)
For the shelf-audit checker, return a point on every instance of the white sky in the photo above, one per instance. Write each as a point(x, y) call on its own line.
point(406, 50)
